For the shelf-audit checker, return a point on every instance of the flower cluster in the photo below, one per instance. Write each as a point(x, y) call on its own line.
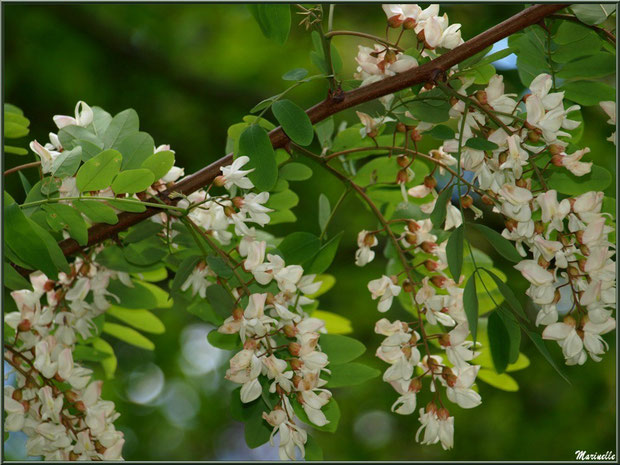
point(55, 401)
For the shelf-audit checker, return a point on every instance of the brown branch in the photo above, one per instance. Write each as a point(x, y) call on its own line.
point(22, 167)
point(330, 106)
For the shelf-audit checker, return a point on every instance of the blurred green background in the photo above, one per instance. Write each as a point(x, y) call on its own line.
point(192, 70)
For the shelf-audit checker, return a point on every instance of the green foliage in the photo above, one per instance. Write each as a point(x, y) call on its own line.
point(341, 349)
point(470, 304)
point(454, 252)
point(98, 172)
point(128, 335)
point(299, 247)
point(499, 243)
point(274, 20)
point(132, 181)
point(294, 121)
point(295, 172)
point(60, 216)
point(438, 215)
point(254, 143)
point(592, 14)
point(351, 374)
point(159, 163)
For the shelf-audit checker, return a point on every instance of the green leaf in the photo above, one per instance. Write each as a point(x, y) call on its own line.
point(60, 216)
point(499, 341)
point(66, 164)
point(159, 163)
point(509, 296)
point(127, 206)
point(135, 148)
point(101, 121)
point(96, 210)
point(274, 20)
point(185, 269)
point(565, 182)
point(294, 121)
point(98, 172)
point(441, 132)
point(299, 247)
point(331, 411)
point(295, 172)
point(540, 345)
point(324, 132)
point(132, 181)
point(313, 450)
point(89, 149)
point(588, 92)
point(350, 374)
point(454, 252)
point(335, 324)
point(162, 298)
point(470, 303)
point(139, 319)
point(503, 246)
point(438, 215)
point(531, 59)
point(340, 349)
point(578, 41)
point(201, 308)
point(220, 300)
point(124, 124)
point(431, 111)
point(89, 354)
point(142, 231)
point(110, 363)
point(478, 143)
point(112, 257)
point(55, 252)
point(482, 73)
point(325, 256)
point(70, 137)
point(324, 212)
point(514, 333)
point(327, 282)
point(13, 280)
point(282, 201)
point(224, 341)
point(295, 74)
point(128, 335)
point(29, 241)
point(219, 266)
point(15, 150)
point(139, 296)
point(596, 65)
point(467, 62)
point(254, 142)
point(144, 254)
point(592, 14)
point(500, 381)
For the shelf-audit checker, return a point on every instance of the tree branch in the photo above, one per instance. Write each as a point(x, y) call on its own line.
point(328, 107)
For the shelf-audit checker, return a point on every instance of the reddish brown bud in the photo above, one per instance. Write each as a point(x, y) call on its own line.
point(402, 177)
point(565, 241)
point(557, 160)
point(443, 413)
point(390, 56)
point(25, 325)
point(294, 348)
point(481, 96)
point(409, 23)
point(431, 407)
point(579, 236)
point(403, 161)
point(542, 262)
point(415, 385)
point(229, 211)
point(26, 405)
point(557, 296)
point(502, 158)
point(17, 395)
point(408, 287)
point(428, 247)
point(412, 226)
point(453, 101)
point(521, 183)
point(369, 239)
point(430, 182)
point(429, 85)
point(411, 238)
point(237, 201)
point(79, 405)
point(406, 351)
point(533, 136)
point(555, 149)
point(444, 340)
point(290, 331)
point(219, 181)
point(585, 250)
point(467, 201)
point(421, 36)
point(511, 224)
point(279, 390)
point(49, 285)
point(400, 127)
point(394, 21)
point(487, 200)
point(573, 272)
point(296, 364)
point(237, 314)
point(431, 265)
point(539, 227)
point(582, 264)
point(415, 135)
point(439, 280)
point(99, 447)
point(296, 380)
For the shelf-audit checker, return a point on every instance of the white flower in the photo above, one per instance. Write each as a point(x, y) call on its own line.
point(373, 64)
point(83, 117)
point(566, 336)
point(553, 211)
point(371, 125)
point(233, 175)
point(573, 164)
point(460, 392)
point(609, 107)
point(364, 254)
point(47, 156)
point(384, 290)
point(534, 273)
point(436, 429)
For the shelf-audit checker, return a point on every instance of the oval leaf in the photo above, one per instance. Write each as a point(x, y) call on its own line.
point(98, 172)
point(294, 121)
point(133, 181)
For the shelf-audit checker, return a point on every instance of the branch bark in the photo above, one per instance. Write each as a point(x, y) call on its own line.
point(331, 106)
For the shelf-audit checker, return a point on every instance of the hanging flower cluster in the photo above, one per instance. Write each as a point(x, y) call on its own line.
point(56, 402)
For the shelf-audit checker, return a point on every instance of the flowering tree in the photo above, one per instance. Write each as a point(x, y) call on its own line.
point(112, 214)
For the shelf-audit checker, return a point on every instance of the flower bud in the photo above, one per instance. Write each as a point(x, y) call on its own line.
point(443, 413)
point(431, 265)
point(481, 96)
point(511, 224)
point(570, 320)
point(564, 240)
point(390, 56)
point(25, 325)
point(430, 182)
point(542, 262)
point(79, 405)
point(415, 135)
point(412, 226)
point(409, 24)
point(557, 296)
point(431, 408)
point(296, 364)
point(26, 405)
point(369, 239)
point(71, 396)
point(237, 314)
point(373, 133)
point(394, 279)
point(394, 21)
point(99, 447)
point(585, 250)
point(557, 160)
point(402, 177)
point(444, 340)
point(407, 287)
point(237, 201)
point(411, 238)
point(294, 348)
point(49, 285)
point(539, 227)
point(428, 247)
point(582, 264)
point(487, 200)
point(502, 158)
point(404, 325)
point(279, 390)
point(296, 380)
point(573, 272)
point(415, 385)
point(533, 136)
point(406, 351)
point(229, 211)
point(579, 236)
point(453, 101)
point(403, 161)
point(421, 36)
point(521, 183)
point(219, 181)
point(17, 395)
point(555, 149)
point(439, 281)
point(400, 127)
point(467, 201)
point(429, 85)
point(290, 331)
